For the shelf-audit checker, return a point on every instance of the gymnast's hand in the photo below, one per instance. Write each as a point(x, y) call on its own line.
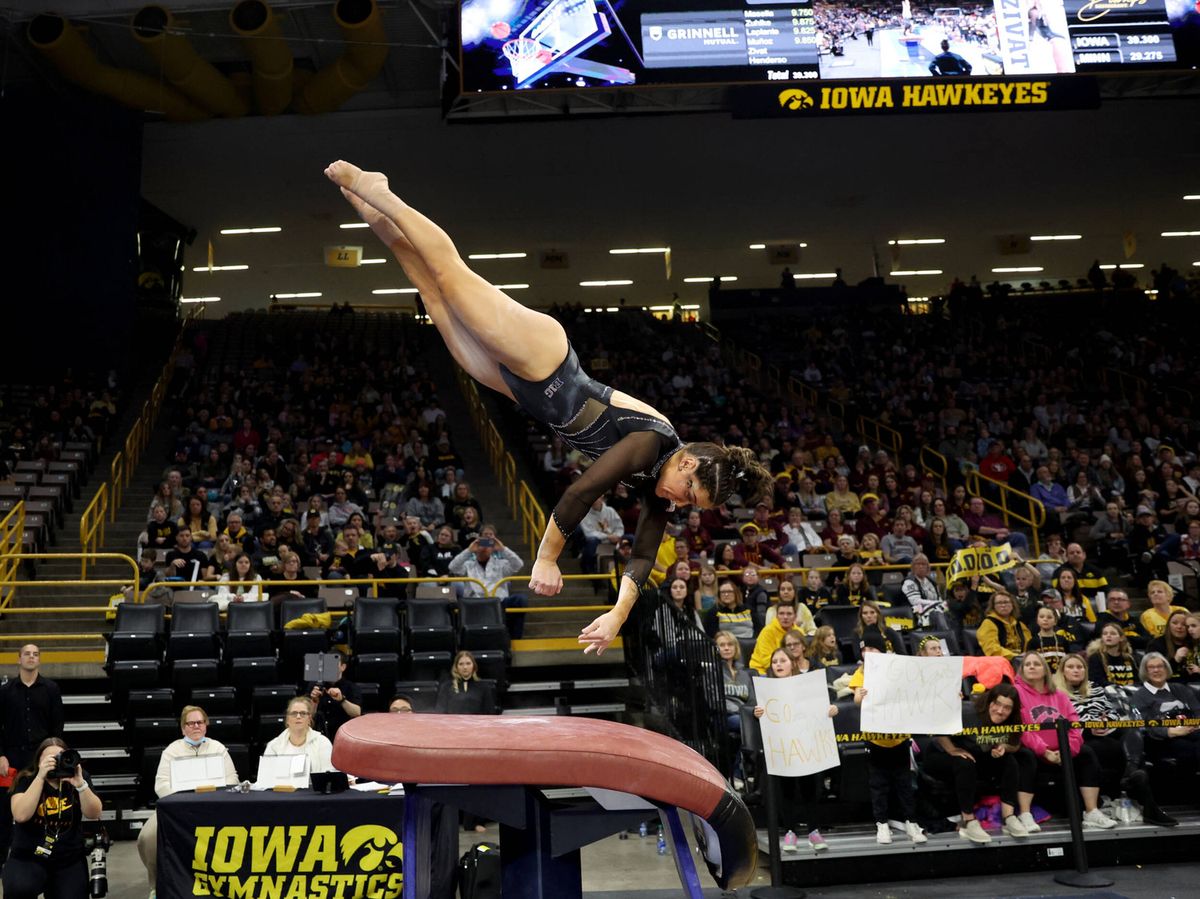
point(601, 632)
point(546, 579)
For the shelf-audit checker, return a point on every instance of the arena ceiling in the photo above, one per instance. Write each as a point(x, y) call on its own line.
point(585, 175)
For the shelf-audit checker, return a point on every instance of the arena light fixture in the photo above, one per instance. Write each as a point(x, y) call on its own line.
point(1040, 237)
point(221, 268)
point(763, 246)
point(1181, 234)
point(813, 276)
point(274, 229)
point(351, 225)
point(200, 299)
point(916, 241)
point(297, 296)
point(620, 282)
point(1112, 266)
point(641, 251)
point(497, 255)
point(383, 291)
point(510, 286)
point(376, 261)
point(758, 246)
point(918, 299)
point(1017, 269)
point(1191, 196)
point(709, 279)
point(909, 272)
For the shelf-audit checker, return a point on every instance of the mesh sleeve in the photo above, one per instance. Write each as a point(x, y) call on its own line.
point(633, 453)
point(651, 524)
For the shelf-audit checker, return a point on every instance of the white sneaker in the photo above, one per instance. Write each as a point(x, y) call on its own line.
point(1031, 826)
point(1015, 827)
point(883, 833)
point(1097, 818)
point(915, 833)
point(974, 832)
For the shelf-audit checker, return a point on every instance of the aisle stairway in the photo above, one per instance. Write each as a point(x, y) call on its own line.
point(549, 672)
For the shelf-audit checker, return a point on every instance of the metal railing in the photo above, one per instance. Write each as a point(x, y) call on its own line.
point(1011, 503)
point(881, 435)
point(522, 503)
point(107, 500)
point(12, 533)
point(935, 464)
point(18, 557)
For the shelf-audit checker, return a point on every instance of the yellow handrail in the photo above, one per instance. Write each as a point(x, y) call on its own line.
point(882, 435)
point(1028, 511)
point(934, 463)
point(12, 532)
point(91, 527)
point(15, 557)
point(107, 501)
point(523, 505)
point(1126, 382)
point(120, 477)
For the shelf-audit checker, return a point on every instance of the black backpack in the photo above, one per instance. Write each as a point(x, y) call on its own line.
point(479, 872)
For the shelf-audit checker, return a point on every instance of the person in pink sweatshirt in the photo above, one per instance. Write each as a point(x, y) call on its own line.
point(1041, 703)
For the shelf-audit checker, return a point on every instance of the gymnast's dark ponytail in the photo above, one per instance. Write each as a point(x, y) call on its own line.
point(725, 470)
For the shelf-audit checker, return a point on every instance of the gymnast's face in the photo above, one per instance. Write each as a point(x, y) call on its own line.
point(678, 483)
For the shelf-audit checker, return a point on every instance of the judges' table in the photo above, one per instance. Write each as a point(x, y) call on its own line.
point(299, 845)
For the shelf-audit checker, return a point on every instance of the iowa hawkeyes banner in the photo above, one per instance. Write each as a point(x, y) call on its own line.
point(280, 846)
point(979, 560)
point(824, 98)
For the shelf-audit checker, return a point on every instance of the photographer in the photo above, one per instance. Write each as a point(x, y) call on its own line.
point(49, 802)
point(336, 703)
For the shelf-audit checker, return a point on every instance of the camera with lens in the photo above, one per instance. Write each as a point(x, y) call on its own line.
point(66, 763)
point(96, 845)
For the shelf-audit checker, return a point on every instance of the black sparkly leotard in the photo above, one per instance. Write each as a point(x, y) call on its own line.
point(627, 445)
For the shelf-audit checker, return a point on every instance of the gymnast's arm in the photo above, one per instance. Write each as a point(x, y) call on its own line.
point(633, 453)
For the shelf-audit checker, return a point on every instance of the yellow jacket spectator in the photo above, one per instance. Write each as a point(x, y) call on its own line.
point(1154, 619)
point(1002, 633)
point(770, 638)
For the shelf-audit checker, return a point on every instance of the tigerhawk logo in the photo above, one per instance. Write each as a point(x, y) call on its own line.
point(794, 98)
point(371, 847)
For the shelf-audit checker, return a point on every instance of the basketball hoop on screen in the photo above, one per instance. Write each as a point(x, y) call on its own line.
point(522, 50)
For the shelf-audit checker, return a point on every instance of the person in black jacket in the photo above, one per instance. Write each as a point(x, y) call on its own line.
point(464, 693)
point(31, 709)
point(1161, 699)
point(964, 761)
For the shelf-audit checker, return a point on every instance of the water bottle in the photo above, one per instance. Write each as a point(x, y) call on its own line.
point(643, 830)
point(662, 843)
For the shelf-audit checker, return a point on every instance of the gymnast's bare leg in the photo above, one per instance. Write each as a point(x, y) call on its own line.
point(483, 323)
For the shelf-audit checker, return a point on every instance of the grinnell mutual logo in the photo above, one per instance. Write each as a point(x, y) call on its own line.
point(298, 862)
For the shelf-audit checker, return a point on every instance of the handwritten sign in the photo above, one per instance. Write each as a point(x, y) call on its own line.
point(797, 732)
point(912, 694)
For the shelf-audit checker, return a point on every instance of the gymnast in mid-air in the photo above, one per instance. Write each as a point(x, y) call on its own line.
point(525, 355)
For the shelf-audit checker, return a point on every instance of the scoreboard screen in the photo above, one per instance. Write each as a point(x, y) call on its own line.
point(536, 44)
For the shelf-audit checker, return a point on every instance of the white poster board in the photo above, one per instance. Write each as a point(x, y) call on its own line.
point(199, 771)
point(912, 694)
point(797, 732)
point(282, 770)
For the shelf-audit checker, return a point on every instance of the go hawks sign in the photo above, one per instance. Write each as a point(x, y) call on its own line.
point(814, 100)
point(304, 847)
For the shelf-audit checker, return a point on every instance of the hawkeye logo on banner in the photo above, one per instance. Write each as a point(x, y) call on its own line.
point(979, 560)
point(918, 95)
point(298, 862)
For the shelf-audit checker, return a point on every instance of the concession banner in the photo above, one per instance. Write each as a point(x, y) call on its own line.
point(280, 845)
point(979, 560)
